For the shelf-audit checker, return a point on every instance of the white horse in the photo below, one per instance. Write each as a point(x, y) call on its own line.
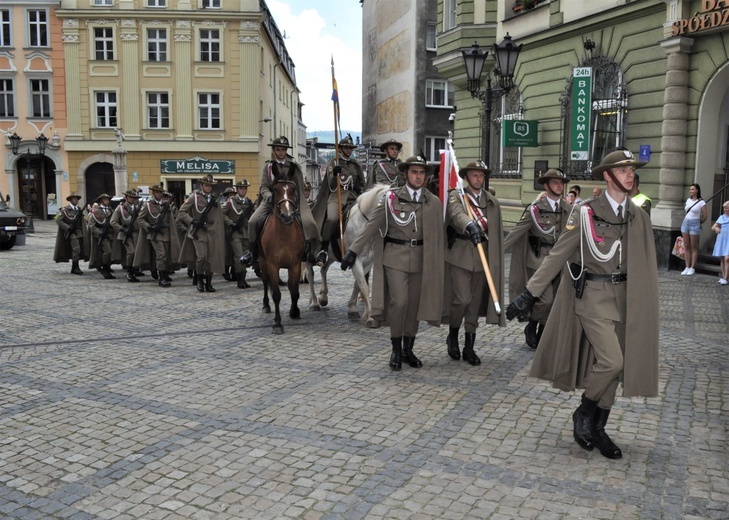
point(358, 217)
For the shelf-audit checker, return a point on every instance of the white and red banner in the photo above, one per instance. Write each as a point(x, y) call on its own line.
point(448, 177)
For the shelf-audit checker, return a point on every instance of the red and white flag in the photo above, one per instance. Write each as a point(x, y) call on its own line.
point(448, 177)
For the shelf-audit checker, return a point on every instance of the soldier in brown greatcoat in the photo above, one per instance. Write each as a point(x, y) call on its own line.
point(385, 170)
point(467, 294)
point(205, 233)
point(236, 212)
point(100, 236)
point(126, 227)
point(157, 237)
point(343, 173)
point(531, 240)
point(70, 236)
point(407, 229)
point(603, 328)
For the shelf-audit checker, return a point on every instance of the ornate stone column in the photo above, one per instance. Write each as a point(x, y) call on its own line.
point(250, 53)
point(73, 83)
point(668, 213)
point(184, 103)
point(130, 78)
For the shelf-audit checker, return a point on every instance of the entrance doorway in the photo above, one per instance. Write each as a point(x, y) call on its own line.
point(99, 179)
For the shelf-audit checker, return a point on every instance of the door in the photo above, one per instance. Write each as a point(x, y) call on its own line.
point(99, 179)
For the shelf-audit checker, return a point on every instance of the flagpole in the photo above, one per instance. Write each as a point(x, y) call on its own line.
point(479, 246)
point(335, 102)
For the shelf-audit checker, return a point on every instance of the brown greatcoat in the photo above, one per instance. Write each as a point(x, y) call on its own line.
point(464, 255)
point(326, 206)
point(62, 249)
point(565, 356)
point(386, 171)
point(95, 221)
point(213, 233)
point(538, 222)
point(144, 254)
point(429, 216)
point(121, 217)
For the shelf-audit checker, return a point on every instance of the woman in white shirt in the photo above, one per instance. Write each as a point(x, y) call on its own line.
point(691, 228)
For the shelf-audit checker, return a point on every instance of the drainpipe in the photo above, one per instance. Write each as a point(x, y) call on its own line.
point(275, 101)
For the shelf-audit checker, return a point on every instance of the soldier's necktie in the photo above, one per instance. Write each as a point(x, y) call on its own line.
point(620, 212)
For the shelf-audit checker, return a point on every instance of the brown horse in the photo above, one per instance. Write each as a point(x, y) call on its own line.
point(282, 246)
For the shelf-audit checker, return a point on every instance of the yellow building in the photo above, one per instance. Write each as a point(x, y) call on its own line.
point(170, 90)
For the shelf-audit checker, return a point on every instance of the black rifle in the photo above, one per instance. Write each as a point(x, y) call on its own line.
point(130, 226)
point(197, 226)
point(239, 223)
point(104, 230)
point(74, 224)
point(160, 222)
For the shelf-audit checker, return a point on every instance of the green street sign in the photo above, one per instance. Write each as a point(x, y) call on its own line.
point(581, 112)
point(518, 133)
point(196, 165)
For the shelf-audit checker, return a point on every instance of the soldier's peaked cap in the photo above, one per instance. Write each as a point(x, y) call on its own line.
point(72, 196)
point(242, 184)
point(131, 193)
point(616, 159)
point(103, 196)
point(387, 143)
point(415, 160)
point(552, 174)
point(347, 142)
point(208, 179)
point(474, 165)
point(282, 141)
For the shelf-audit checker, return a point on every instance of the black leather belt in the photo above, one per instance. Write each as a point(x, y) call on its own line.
point(411, 242)
point(615, 278)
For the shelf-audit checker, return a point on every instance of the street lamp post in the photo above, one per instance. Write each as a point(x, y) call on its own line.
point(506, 54)
point(42, 142)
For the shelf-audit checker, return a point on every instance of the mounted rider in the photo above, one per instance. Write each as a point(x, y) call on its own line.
point(385, 170)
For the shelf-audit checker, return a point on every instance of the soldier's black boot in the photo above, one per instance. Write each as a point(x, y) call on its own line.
point(130, 275)
point(242, 284)
point(195, 277)
point(468, 352)
point(154, 274)
point(530, 334)
point(600, 439)
point(396, 356)
point(106, 272)
point(584, 419)
point(407, 352)
point(452, 341)
point(164, 279)
point(75, 269)
point(190, 272)
point(540, 329)
point(138, 272)
point(227, 274)
point(250, 256)
point(200, 281)
point(208, 283)
point(322, 257)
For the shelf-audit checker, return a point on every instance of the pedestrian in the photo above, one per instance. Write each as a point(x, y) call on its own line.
point(70, 237)
point(205, 234)
point(100, 236)
point(385, 170)
point(603, 329)
point(531, 241)
point(466, 291)
point(280, 168)
point(236, 212)
point(407, 230)
point(641, 199)
point(597, 191)
point(571, 197)
point(696, 215)
point(158, 244)
point(125, 225)
point(721, 247)
point(577, 191)
point(343, 182)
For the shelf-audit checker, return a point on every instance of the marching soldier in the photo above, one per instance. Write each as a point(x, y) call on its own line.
point(126, 227)
point(157, 235)
point(531, 240)
point(236, 212)
point(280, 167)
point(100, 236)
point(385, 170)
point(467, 294)
point(206, 233)
point(603, 328)
point(346, 173)
point(70, 236)
point(407, 227)
point(228, 273)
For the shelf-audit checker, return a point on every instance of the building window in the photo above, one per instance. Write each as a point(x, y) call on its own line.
point(209, 45)
point(449, 14)
point(103, 3)
point(37, 28)
point(607, 119)
point(211, 4)
point(158, 110)
point(156, 3)
point(433, 146)
point(438, 93)
point(208, 109)
point(431, 39)
point(505, 161)
point(106, 110)
point(156, 44)
point(40, 98)
point(7, 101)
point(104, 43)
point(4, 28)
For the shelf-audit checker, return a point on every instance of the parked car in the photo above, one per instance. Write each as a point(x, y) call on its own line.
point(12, 225)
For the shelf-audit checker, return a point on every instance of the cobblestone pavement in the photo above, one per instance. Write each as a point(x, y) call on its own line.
point(124, 401)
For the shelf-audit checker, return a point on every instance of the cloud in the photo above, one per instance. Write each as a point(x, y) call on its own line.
point(311, 43)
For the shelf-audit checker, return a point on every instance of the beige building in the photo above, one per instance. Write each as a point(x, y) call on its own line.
point(170, 90)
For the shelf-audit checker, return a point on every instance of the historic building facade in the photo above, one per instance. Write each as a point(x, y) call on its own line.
point(658, 84)
point(169, 90)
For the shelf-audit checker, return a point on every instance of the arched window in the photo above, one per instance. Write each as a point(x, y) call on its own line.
point(608, 114)
point(505, 162)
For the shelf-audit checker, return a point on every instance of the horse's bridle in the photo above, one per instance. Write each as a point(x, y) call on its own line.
point(292, 214)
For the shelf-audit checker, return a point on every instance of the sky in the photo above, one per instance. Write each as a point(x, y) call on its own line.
point(315, 31)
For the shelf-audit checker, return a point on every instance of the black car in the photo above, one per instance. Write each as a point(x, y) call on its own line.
point(12, 225)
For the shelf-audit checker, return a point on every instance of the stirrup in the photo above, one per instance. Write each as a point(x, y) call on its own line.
point(322, 258)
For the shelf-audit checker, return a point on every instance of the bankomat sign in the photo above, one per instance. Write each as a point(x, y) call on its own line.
point(581, 111)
